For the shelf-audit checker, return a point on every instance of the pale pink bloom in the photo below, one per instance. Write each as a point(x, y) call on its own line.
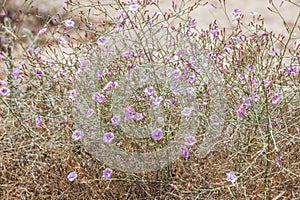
point(77, 135)
point(108, 137)
point(69, 23)
point(107, 173)
point(38, 122)
point(89, 113)
point(42, 31)
point(133, 6)
point(61, 40)
point(190, 141)
point(276, 99)
point(231, 177)
point(157, 134)
point(4, 91)
point(115, 120)
point(186, 111)
point(72, 176)
point(138, 116)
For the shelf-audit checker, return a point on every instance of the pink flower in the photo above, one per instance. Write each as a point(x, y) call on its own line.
point(69, 23)
point(272, 53)
point(160, 120)
point(157, 134)
point(176, 74)
point(89, 113)
point(214, 32)
point(72, 176)
point(115, 120)
point(4, 91)
point(149, 91)
point(192, 24)
point(101, 41)
point(190, 141)
point(128, 54)
point(108, 137)
point(99, 98)
point(129, 112)
point(186, 111)
point(16, 73)
point(77, 135)
point(133, 6)
point(61, 40)
point(42, 31)
point(231, 177)
point(38, 122)
point(276, 99)
point(185, 152)
point(191, 79)
point(107, 173)
point(138, 116)
point(236, 11)
point(252, 13)
point(292, 70)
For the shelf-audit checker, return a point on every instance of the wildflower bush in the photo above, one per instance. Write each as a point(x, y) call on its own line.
point(122, 100)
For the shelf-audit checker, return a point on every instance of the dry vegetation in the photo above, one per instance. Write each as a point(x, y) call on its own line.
point(259, 140)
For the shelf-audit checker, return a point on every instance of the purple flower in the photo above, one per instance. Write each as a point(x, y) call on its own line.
point(231, 177)
point(185, 152)
point(43, 30)
point(255, 97)
point(191, 79)
point(157, 101)
point(72, 176)
point(236, 11)
point(149, 91)
point(190, 141)
point(102, 41)
point(186, 111)
point(16, 73)
point(267, 82)
point(84, 63)
point(38, 122)
point(276, 99)
point(241, 111)
point(292, 70)
point(99, 98)
point(37, 50)
point(89, 113)
point(157, 134)
point(138, 116)
point(160, 120)
point(77, 135)
point(128, 54)
point(272, 53)
point(115, 120)
point(129, 112)
point(38, 72)
point(107, 173)
point(61, 40)
point(4, 91)
point(69, 23)
point(214, 32)
point(192, 24)
point(176, 74)
point(108, 137)
point(190, 91)
point(133, 6)
point(252, 13)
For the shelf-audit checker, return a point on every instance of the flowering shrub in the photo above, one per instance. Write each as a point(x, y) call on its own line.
point(167, 110)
